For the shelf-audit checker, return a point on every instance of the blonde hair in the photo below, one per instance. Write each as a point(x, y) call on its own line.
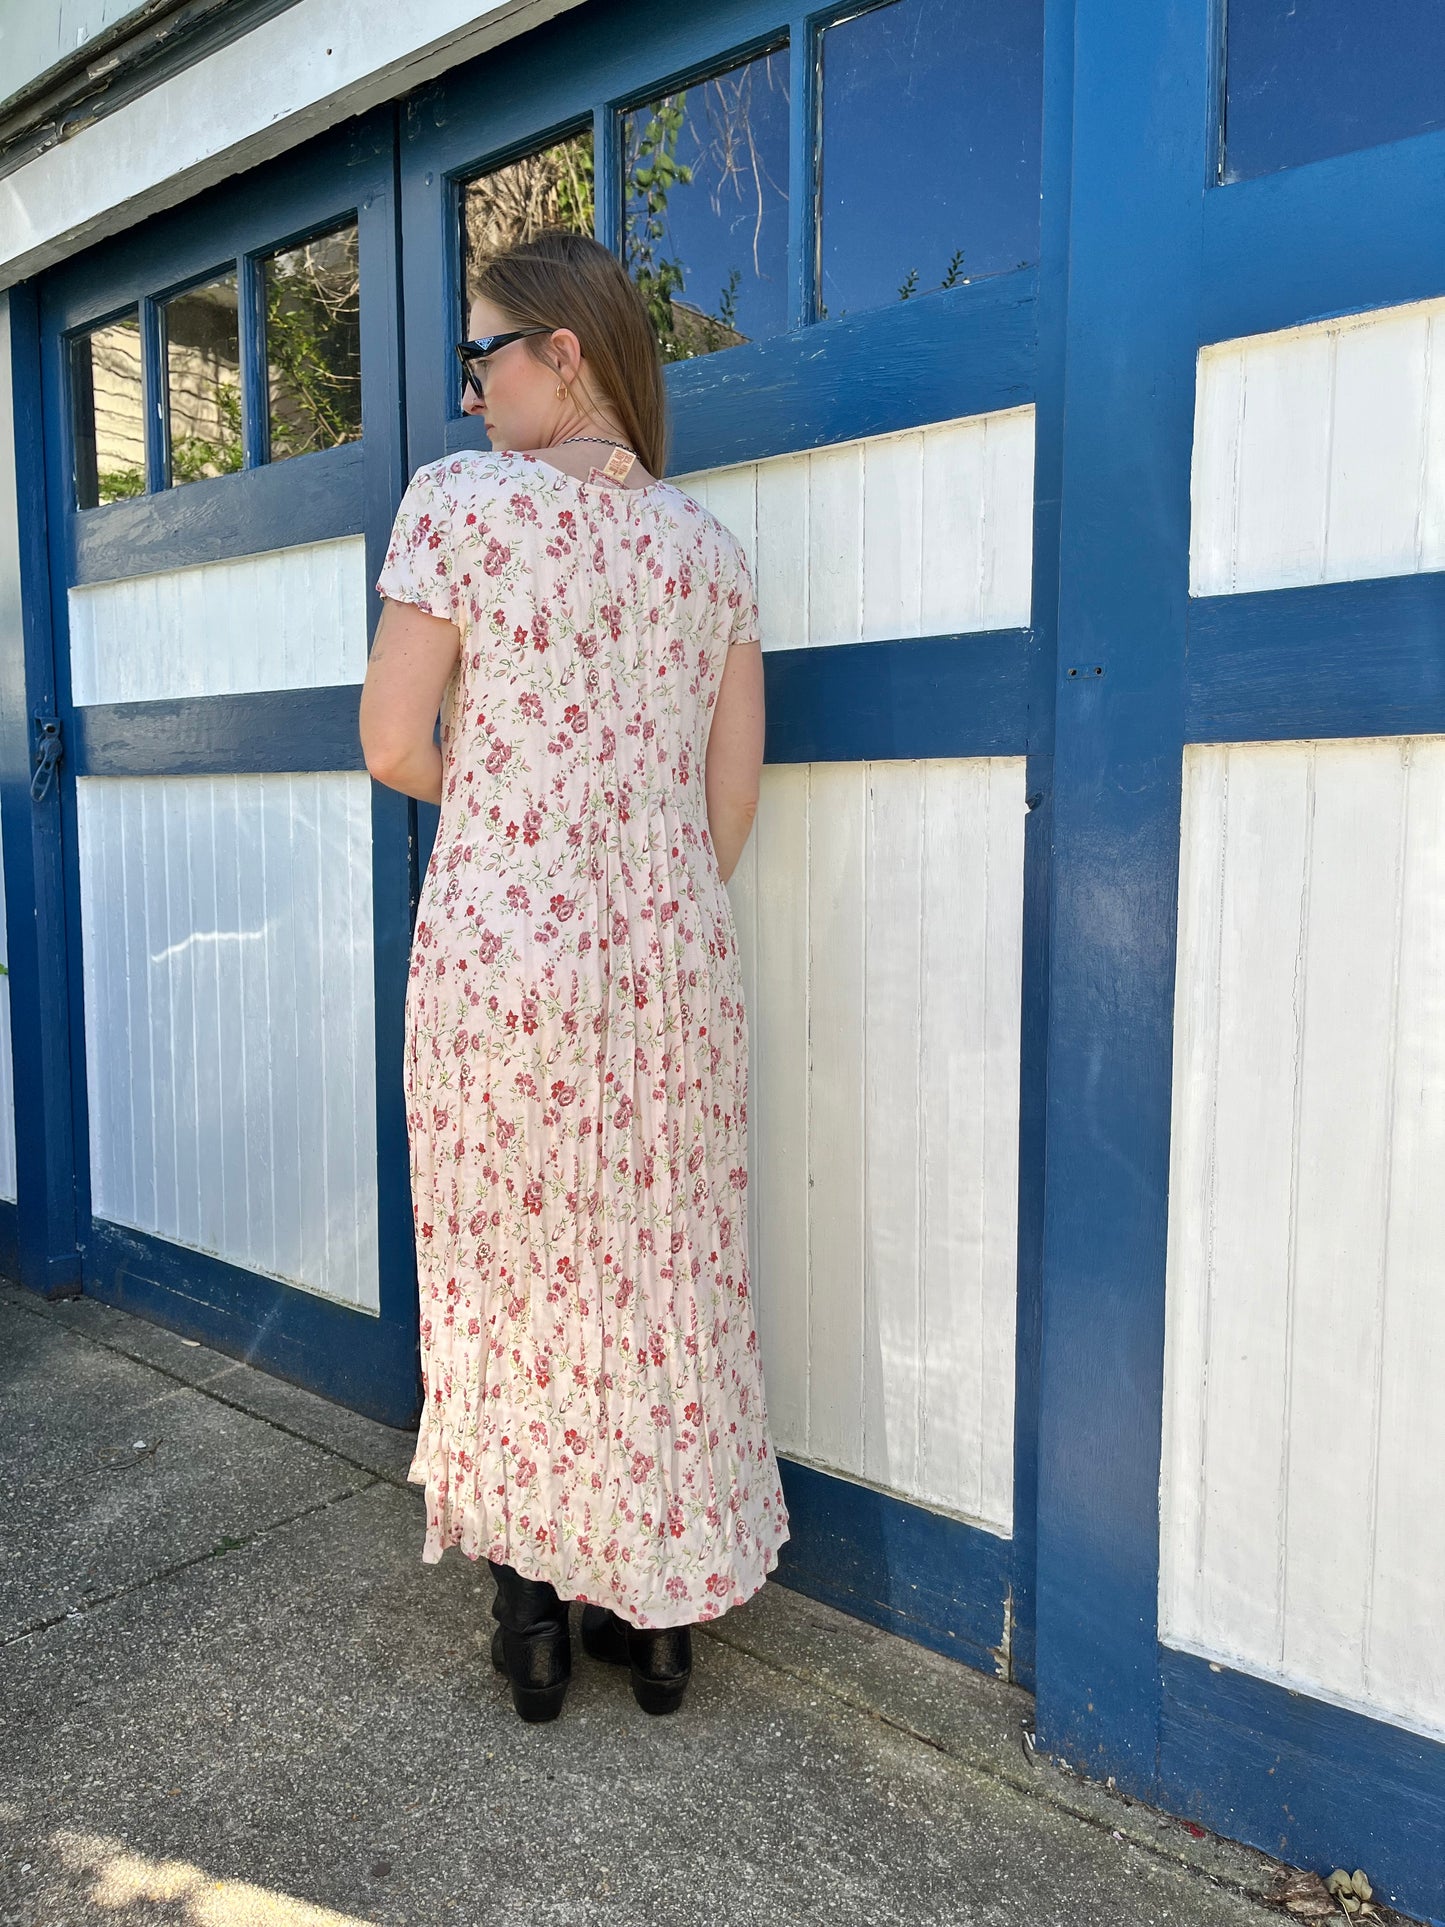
point(561, 279)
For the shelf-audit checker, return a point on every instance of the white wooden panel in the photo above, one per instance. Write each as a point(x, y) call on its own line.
point(1377, 445)
point(289, 619)
point(732, 496)
point(893, 569)
point(1319, 453)
point(1006, 540)
point(925, 532)
point(1302, 1536)
point(1404, 1628)
point(230, 1037)
point(781, 1096)
point(892, 1116)
point(834, 556)
point(956, 525)
point(7, 1066)
point(883, 917)
point(836, 887)
point(781, 573)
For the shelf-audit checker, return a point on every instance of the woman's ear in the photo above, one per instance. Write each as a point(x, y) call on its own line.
point(568, 350)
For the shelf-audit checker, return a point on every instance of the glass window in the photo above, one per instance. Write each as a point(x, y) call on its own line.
point(1305, 82)
point(705, 236)
point(551, 188)
point(202, 336)
point(932, 120)
point(312, 299)
point(108, 411)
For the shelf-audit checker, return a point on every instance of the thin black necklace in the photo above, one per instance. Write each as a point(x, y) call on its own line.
point(595, 438)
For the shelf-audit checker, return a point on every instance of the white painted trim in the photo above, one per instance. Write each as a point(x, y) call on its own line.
point(286, 80)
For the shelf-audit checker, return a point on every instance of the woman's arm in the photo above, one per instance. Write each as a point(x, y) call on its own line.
point(735, 755)
point(413, 658)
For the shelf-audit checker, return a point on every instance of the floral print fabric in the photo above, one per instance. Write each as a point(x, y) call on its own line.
point(576, 1061)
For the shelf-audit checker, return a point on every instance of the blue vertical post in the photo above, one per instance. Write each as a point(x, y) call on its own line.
point(1121, 377)
point(392, 815)
point(48, 1257)
point(1057, 125)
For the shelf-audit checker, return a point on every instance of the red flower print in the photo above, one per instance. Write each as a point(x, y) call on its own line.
point(576, 1043)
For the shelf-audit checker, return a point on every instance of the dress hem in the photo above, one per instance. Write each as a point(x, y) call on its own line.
point(670, 1612)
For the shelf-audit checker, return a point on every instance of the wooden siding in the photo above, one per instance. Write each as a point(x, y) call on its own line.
point(1303, 1536)
point(230, 1036)
point(288, 619)
point(879, 913)
point(924, 533)
point(1319, 453)
point(7, 1068)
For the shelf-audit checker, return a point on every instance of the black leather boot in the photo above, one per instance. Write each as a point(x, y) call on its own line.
point(532, 1644)
point(659, 1657)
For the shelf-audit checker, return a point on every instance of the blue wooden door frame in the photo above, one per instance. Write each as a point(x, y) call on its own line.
point(961, 351)
point(37, 1236)
point(1147, 259)
point(366, 1361)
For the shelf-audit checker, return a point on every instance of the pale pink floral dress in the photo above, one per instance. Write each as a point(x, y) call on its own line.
point(576, 1065)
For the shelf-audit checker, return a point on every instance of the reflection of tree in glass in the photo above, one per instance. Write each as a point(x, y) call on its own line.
point(553, 188)
point(194, 456)
point(313, 344)
point(720, 123)
point(910, 285)
point(117, 484)
point(653, 172)
point(201, 331)
point(106, 378)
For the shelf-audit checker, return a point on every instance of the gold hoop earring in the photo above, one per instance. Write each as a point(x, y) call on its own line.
point(560, 389)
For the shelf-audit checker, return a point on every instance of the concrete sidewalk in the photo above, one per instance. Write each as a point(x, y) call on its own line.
point(233, 1694)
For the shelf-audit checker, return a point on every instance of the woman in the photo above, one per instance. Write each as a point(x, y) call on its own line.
point(576, 1043)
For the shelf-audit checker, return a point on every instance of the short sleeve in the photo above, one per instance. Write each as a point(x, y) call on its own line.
point(420, 559)
point(745, 627)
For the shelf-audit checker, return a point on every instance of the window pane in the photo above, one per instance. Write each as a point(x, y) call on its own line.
point(705, 239)
point(108, 413)
point(312, 296)
point(932, 123)
point(203, 380)
point(1305, 82)
point(552, 188)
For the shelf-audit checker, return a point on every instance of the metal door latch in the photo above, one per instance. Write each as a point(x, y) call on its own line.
point(48, 751)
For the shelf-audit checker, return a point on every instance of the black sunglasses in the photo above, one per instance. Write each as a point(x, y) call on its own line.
point(470, 353)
